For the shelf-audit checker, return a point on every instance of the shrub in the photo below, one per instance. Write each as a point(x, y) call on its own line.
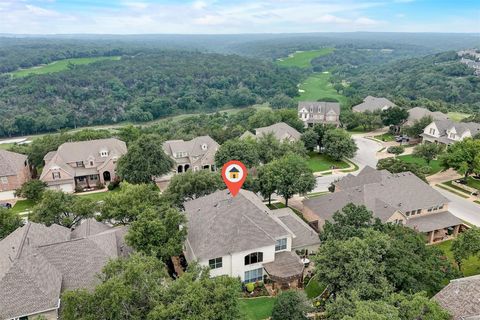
point(396, 150)
point(250, 287)
point(31, 190)
point(114, 184)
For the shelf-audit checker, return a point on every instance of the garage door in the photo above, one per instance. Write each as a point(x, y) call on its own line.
point(67, 188)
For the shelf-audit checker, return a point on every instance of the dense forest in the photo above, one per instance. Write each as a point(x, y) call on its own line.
point(439, 78)
point(139, 88)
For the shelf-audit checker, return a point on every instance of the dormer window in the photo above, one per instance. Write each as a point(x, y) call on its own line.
point(56, 175)
point(204, 146)
point(104, 153)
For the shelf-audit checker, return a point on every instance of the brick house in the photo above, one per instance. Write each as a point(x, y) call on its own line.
point(14, 171)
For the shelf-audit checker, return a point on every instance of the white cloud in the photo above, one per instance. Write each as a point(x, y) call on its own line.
point(199, 5)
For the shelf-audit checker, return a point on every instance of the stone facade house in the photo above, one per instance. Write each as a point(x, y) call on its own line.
point(38, 263)
point(83, 164)
point(14, 171)
point(393, 198)
point(373, 104)
point(241, 237)
point(448, 132)
point(281, 131)
point(461, 298)
point(313, 112)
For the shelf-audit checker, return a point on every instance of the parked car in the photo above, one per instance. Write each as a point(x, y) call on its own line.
point(402, 138)
point(6, 205)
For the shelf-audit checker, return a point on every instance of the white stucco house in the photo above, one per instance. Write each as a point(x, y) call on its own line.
point(448, 132)
point(241, 237)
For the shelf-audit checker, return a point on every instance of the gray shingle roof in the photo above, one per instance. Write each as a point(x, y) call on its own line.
point(373, 104)
point(384, 194)
point(433, 221)
point(461, 297)
point(194, 150)
point(11, 163)
point(303, 234)
point(285, 266)
point(280, 130)
point(418, 113)
point(219, 224)
point(38, 262)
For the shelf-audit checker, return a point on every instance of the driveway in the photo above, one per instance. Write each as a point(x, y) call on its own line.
point(463, 209)
point(366, 156)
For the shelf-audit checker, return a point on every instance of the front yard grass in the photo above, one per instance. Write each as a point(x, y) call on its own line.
point(320, 162)
point(435, 165)
point(474, 183)
point(257, 308)
point(385, 137)
point(276, 205)
point(97, 196)
point(22, 206)
point(314, 288)
point(470, 267)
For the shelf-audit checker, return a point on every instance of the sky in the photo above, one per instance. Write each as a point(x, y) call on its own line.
point(240, 16)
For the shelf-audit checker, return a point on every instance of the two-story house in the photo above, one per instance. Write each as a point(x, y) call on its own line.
point(83, 164)
point(281, 131)
point(448, 132)
point(373, 104)
point(401, 198)
point(241, 237)
point(313, 112)
point(14, 171)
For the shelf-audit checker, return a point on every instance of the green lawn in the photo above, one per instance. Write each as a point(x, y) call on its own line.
point(385, 137)
point(320, 162)
point(314, 288)
point(302, 59)
point(474, 183)
point(6, 146)
point(99, 196)
point(257, 308)
point(435, 165)
point(457, 116)
point(276, 205)
point(23, 205)
point(318, 87)
point(458, 193)
point(58, 66)
point(470, 267)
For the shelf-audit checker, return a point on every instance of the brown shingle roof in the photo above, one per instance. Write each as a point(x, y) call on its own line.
point(11, 163)
point(461, 297)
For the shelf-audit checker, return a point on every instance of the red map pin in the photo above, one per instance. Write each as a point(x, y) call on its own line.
point(234, 174)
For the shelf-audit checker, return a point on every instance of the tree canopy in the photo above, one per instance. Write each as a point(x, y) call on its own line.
point(9, 222)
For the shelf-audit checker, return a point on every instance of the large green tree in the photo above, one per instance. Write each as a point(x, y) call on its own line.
point(310, 139)
point(394, 116)
point(293, 176)
point(428, 151)
point(242, 150)
point(338, 144)
point(9, 222)
point(466, 245)
point(463, 156)
point(31, 190)
point(144, 160)
point(267, 181)
point(191, 185)
point(291, 305)
point(416, 129)
point(138, 288)
point(269, 147)
point(395, 165)
point(158, 231)
point(61, 208)
point(127, 204)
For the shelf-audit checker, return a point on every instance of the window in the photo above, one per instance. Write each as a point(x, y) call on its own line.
point(430, 209)
point(80, 164)
point(432, 131)
point(408, 213)
point(91, 163)
point(419, 211)
point(281, 244)
point(93, 177)
point(81, 179)
point(56, 175)
point(253, 258)
point(4, 180)
point(441, 207)
point(253, 275)
point(215, 263)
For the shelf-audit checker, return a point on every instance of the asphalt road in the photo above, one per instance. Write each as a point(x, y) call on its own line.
point(463, 209)
point(366, 156)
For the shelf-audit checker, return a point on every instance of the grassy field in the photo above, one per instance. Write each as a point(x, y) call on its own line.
point(435, 165)
point(22, 206)
point(313, 289)
point(58, 66)
point(318, 87)
point(320, 162)
point(470, 267)
point(5, 146)
point(457, 116)
point(98, 196)
point(385, 137)
point(257, 308)
point(302, 59)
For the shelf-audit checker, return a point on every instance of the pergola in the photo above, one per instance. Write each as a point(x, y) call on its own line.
point(285, 269)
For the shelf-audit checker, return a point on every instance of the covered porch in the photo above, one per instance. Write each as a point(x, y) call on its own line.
point(437, 227)
point(286, 271)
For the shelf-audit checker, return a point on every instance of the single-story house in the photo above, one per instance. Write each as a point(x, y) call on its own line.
point(241, 237)
point(14, 171)
point(313, 112)
point(461, 297)
point(417, 113)
point(448, 132)
point(83, 164)
point(38, 263)
point(373, 104)
point(280, 130)
point(401, 198)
